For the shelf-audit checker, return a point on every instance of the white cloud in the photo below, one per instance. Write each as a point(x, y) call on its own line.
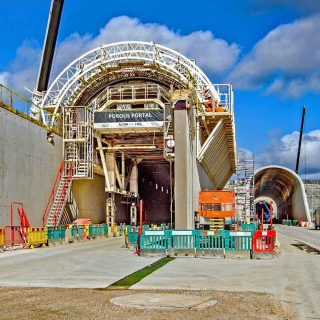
point(289, 54)
point(4, 77)
point(214, 55)
point(283, 152)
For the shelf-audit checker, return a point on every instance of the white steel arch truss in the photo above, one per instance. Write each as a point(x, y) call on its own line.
point(79, 73)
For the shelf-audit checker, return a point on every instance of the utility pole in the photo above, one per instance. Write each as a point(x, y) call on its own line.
point(300, 139)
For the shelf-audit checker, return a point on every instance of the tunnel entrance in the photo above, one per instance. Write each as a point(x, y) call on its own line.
point(285, 188)
point(155, 188)
point(128, 110)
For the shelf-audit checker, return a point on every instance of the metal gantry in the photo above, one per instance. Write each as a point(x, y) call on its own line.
point(84, 70)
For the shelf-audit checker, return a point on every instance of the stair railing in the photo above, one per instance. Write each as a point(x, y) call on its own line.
point(63, 195)
point(52, 194)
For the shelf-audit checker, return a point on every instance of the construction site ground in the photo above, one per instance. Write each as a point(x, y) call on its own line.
point(286, 287)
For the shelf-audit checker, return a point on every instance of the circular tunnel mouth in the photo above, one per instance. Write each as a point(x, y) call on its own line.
point(280, 185)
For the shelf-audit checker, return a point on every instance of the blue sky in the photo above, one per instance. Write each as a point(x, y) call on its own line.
point(268, 49)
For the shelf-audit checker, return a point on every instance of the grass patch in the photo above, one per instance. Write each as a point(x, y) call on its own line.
point(137, 276)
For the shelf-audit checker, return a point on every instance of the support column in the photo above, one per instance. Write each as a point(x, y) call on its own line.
point(184, 215)
point(110, 161)
point(110, 209)
point(133, 182)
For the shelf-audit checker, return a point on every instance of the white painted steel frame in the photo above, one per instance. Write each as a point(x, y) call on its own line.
point(77, 73)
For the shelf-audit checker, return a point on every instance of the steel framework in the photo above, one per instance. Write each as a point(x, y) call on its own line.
point(79, 73)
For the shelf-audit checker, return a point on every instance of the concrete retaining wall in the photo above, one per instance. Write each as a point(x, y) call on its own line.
point(28, 166)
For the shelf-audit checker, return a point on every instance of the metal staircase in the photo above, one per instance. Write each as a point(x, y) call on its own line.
point(78, 141)
point(61, 207)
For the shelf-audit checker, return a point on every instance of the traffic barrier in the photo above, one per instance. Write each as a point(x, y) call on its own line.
point(287, 222)
point(248, 226)
point(209, 243)
point(105, 230)
point(82, 233)
point(97, 231)
point(263, 243)
point(74, 232)
point(53, 235)
point(238, 244)
point(121, 228)
point(183, 242)
point(13, 237)
point(131, 237)
point(2, 237)
point(37, 237)
point(155, 242)
point(114, 230)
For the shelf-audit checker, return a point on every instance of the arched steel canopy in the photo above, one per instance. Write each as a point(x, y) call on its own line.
point(286, 188)
point(79, 75)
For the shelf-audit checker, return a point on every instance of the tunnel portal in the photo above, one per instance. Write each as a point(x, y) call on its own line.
point(285, 188)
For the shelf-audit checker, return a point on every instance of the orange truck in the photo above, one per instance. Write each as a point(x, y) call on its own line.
point(216, 204)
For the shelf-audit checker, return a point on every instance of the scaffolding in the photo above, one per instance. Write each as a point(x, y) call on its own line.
point(244, 186)
point(78, 141)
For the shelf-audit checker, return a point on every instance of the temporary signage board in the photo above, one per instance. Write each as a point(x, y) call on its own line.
point(128, 119)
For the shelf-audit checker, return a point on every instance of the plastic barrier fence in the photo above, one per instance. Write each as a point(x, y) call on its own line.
point(132, 233)
point(155, 240)
point(54, 234)
point(95, 231)
point(205, 242)
point(183, 240)
point(37, 236)
point(263, 241)
point(248, 227)
point(2, 237)
point(115, 230)
point(209, 240)
point(105, 230)
point(13, 237)
point(287, 222)
point(238, 241)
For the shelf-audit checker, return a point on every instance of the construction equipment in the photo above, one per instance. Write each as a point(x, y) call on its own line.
point(214, 207)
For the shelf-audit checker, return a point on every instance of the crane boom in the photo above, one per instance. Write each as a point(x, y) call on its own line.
point(300, 139)
point(49, 44)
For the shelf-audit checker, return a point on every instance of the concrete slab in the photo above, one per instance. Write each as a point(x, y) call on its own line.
point(92, 264)
point(294, 276)
point(164, 301)
point(306, 235)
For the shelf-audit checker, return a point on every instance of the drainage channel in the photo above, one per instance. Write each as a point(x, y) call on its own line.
point(133, 278)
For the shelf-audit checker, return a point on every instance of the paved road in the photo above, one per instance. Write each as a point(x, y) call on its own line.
point(308, 236)
point(294, 277)
point(91, 264)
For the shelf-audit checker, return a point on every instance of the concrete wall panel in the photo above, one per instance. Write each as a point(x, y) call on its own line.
point(28, 166)
point(91, 198)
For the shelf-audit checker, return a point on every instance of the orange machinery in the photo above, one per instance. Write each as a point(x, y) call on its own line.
point(216, 204)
